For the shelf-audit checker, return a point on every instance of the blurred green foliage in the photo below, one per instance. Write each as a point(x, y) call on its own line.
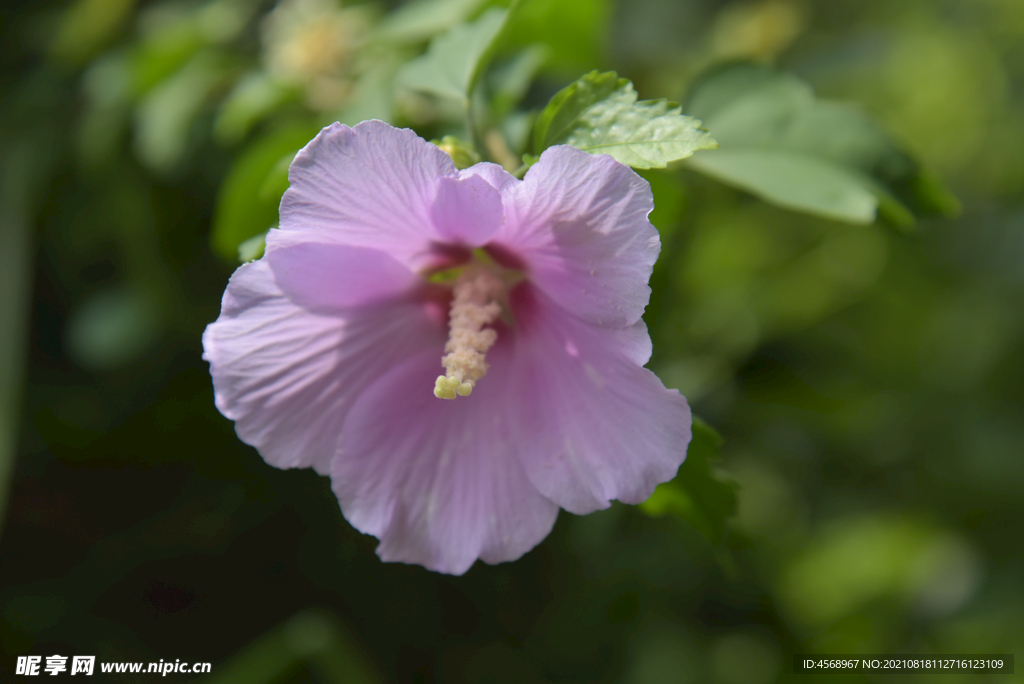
point(867, 381)
point(252, 189)
point(455, 60)
point(781, 144)
point(695, 494)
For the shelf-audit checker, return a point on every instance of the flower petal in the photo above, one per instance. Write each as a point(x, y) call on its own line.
point(288, 376)
point(439, 482)
point(495, 175)
point(579, 222)
point(467, 210)
point(599, 426)
point(328, 278)
point(368, 186)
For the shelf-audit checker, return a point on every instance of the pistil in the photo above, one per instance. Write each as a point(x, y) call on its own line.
point(475, 304)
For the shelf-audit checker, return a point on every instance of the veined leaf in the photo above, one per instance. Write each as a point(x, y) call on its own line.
point(560, 115)
point(697, 494)
point(600, 114)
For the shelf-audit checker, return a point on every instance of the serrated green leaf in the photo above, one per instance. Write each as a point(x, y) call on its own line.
point(453, 62)
point(600, 114)
point(558, 118)
point(697, 494)
point(249, 197)
point(644, 135)
point(784, 145)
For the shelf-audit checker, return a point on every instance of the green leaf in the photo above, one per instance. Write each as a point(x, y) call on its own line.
point(795, 180)
point(254, 96)
point(26, 167)
point(164, 117)
point(418, 21)
point(163, 51)
point(373, 94)
point(509, 82)
point(172, 34)
point(249, 197)
point(106, 111)
point(860, 560)
point(781, 143)
point(313, 638)
point(453, 62)
point(516, 129)
point(559, 117)
point(253, 248)
point(276, 181)
point(600, 114)
point(669, 205)
point(573, 31)
point(114, 327)
point(462, 154)
point(697, 494)
point(88, 25)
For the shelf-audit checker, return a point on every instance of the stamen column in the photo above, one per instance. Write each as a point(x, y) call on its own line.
point(475, 304)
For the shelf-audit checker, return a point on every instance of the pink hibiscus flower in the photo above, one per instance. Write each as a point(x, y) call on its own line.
point(397, 281)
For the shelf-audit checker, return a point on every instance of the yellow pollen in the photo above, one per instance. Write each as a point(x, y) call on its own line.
point(474, 305)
